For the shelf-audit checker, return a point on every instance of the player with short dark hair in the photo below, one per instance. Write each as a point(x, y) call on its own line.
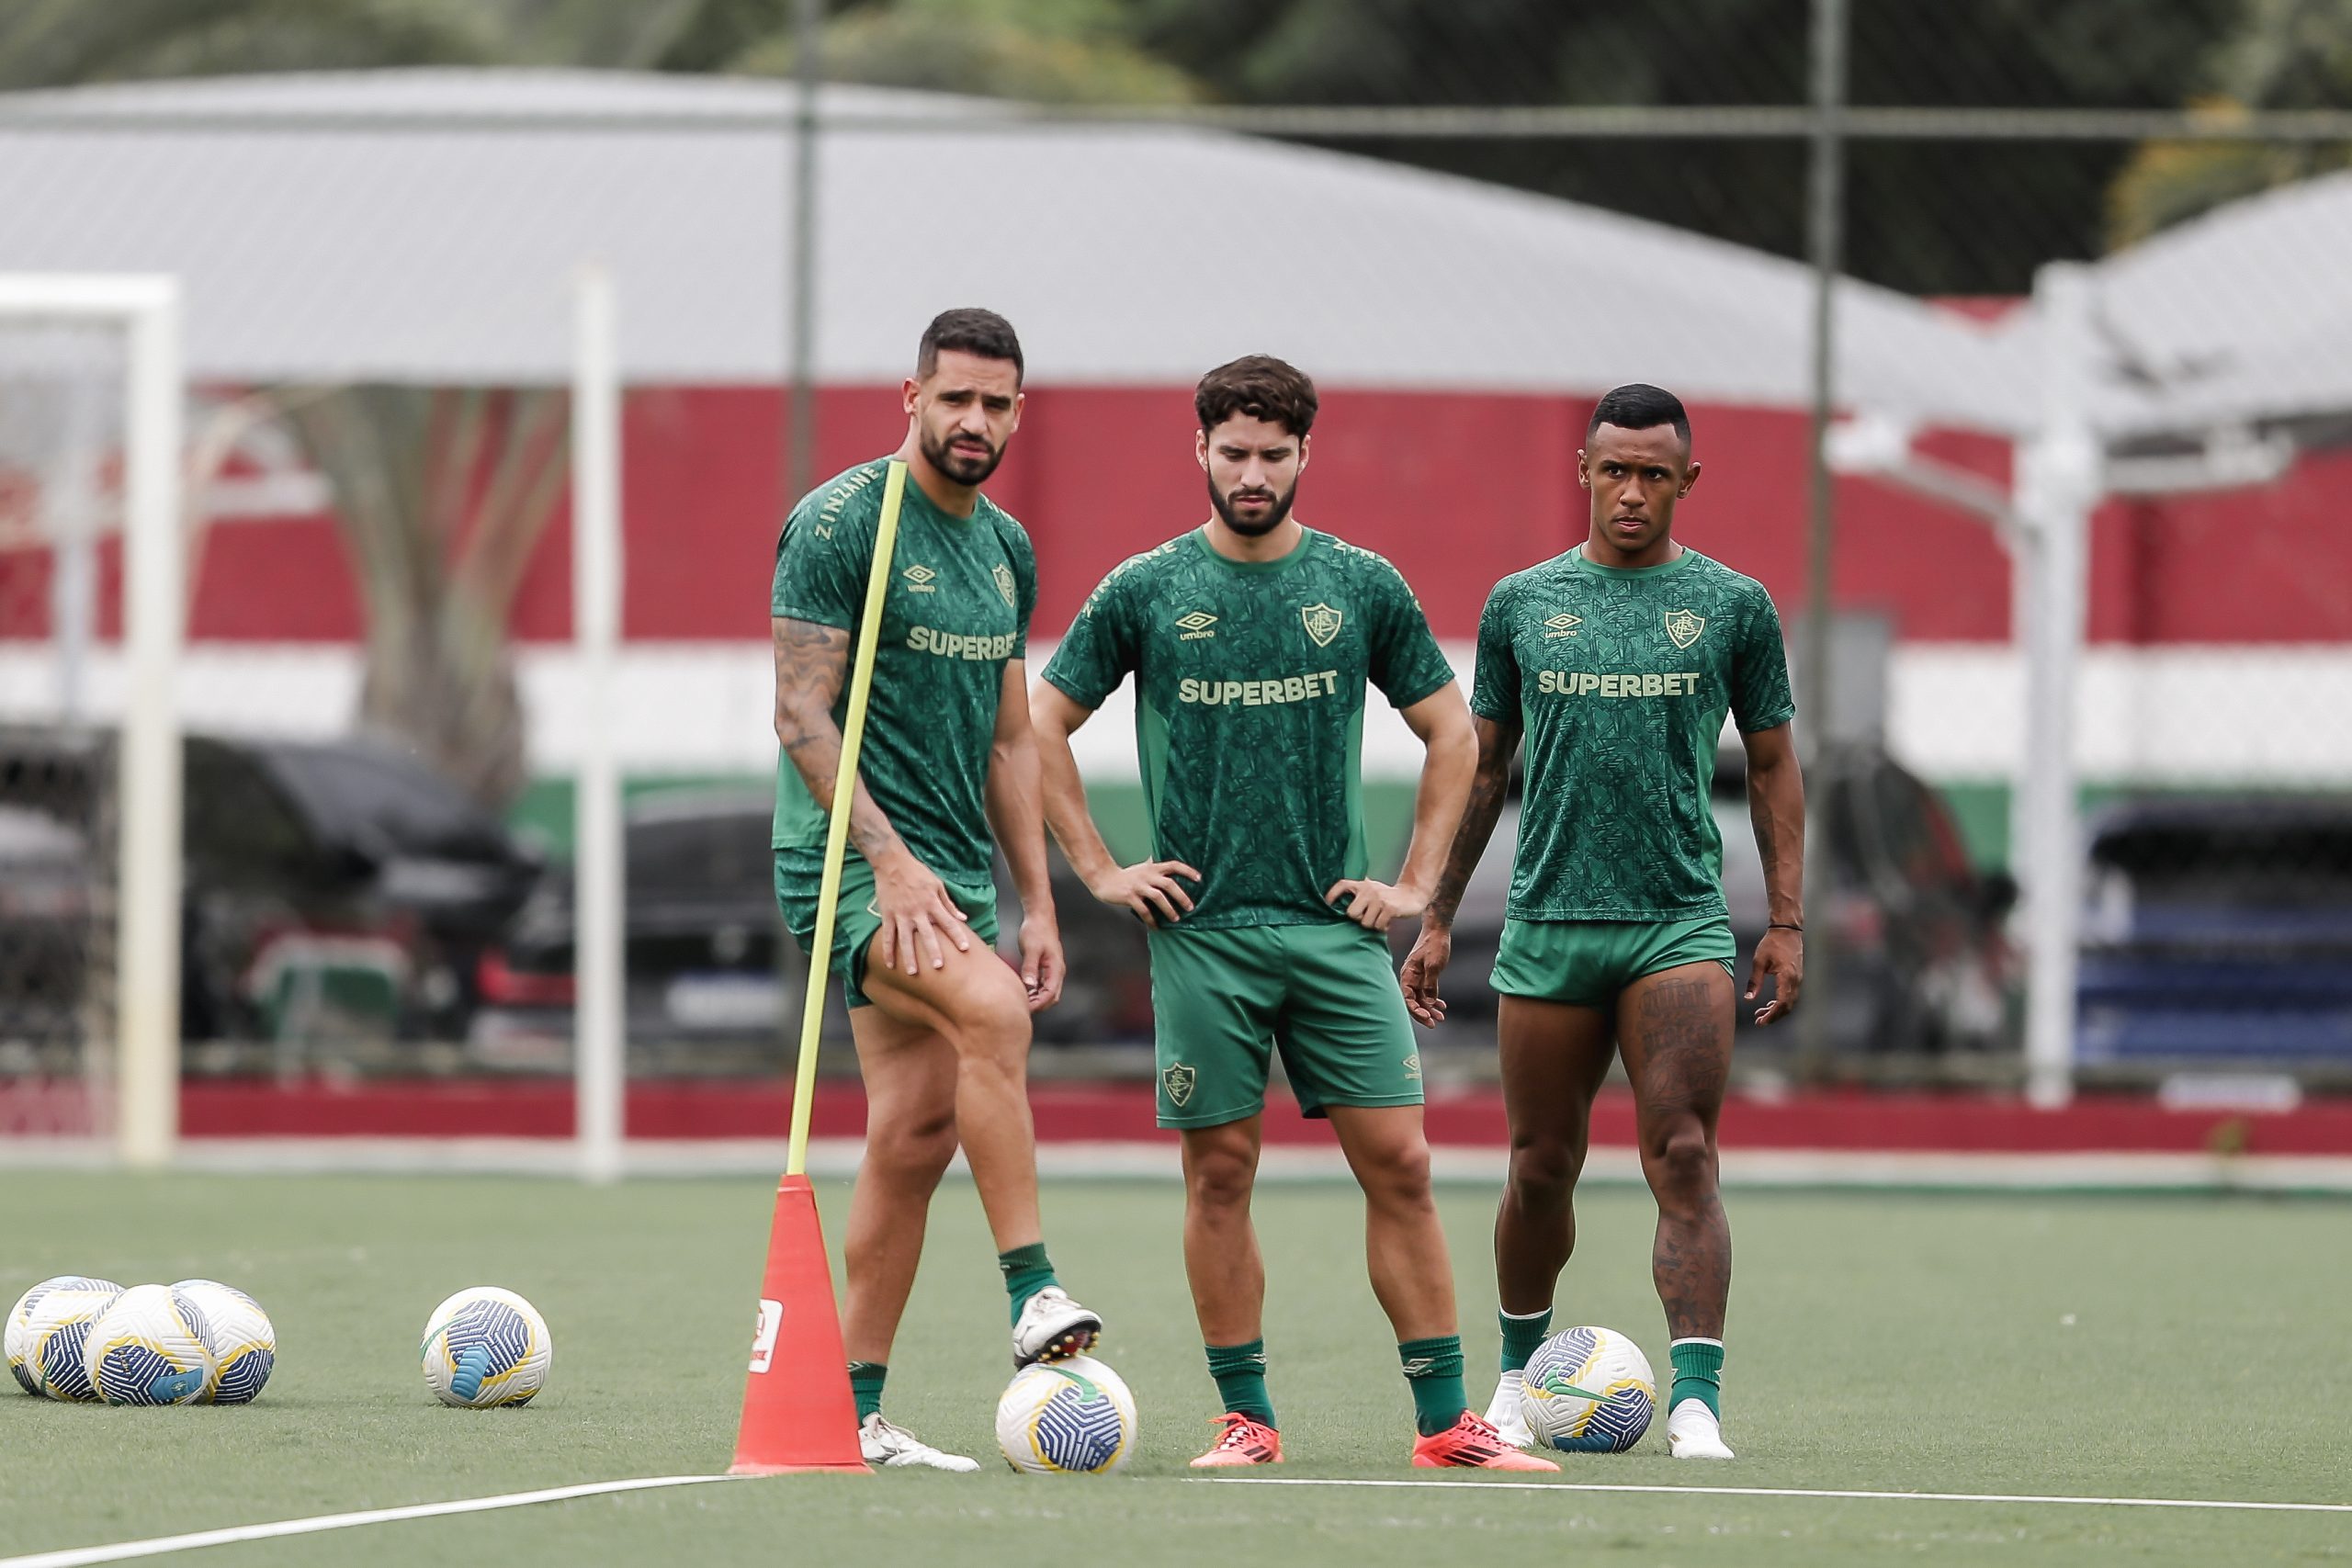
point(1251, 639)
point(942, 1027)
point(1616, 662)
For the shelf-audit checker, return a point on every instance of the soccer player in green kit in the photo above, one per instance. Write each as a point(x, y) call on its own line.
point(1252, 639)
point(942, 1026)
point(1617, 662)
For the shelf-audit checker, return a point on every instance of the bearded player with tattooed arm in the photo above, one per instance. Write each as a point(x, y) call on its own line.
point(948, 774)
point(1617, 662)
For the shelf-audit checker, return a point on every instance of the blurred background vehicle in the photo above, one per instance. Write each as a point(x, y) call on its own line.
point(334, 896)
point(2218, 934)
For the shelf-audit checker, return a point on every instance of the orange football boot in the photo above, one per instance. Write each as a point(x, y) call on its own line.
point(1245, 1442)
point(1472, 1444)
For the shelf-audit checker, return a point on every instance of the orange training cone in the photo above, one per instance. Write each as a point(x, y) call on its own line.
point(797, 1411)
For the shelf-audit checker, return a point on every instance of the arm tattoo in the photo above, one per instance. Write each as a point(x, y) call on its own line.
point(811, 661)
point(1488, 787)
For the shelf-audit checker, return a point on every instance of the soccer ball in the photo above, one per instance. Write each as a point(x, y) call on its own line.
point(1072, 1417)
point(239, 1334)
point(1588, 1391)
point(46, 1329)
point(148, 1349)
point(485, 1346)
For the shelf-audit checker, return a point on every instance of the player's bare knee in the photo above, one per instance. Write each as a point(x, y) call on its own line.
point(1680, 1162)
point(992, 1029)
point(912, 1150)
point(1220, 1174)
point(1397, 1176)
point(1542, 1171)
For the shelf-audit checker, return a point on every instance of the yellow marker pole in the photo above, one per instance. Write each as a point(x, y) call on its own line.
point(829, 891)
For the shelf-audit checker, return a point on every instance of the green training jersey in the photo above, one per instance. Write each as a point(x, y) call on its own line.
point(1250, 696)
point(957, 609)
point(1621, 680)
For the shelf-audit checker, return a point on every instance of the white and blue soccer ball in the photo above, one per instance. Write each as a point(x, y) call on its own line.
point(47, 1327)
point(486, 1347)
point(239, 1334)
point(148, 1347)
point(1588, 1391)
point(1071, 1418)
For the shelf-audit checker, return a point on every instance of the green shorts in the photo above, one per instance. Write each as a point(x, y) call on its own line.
point(798, 873)
point(1223, 1001)
point(1586, 963)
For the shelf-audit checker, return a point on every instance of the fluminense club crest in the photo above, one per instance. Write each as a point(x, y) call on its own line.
point(1684, 628)
point(1178, 1081)
point(1322, 622)
point(1005, 585)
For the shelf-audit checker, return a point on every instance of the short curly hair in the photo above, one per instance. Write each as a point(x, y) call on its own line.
point(1261, 385)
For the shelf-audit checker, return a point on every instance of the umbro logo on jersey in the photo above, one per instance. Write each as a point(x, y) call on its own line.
point(1563, 624)
point(1178, 1081)
point(1196, 627)
point(921, 579)
point(1005, 585)
point(1684, 628)
point(1322, 622)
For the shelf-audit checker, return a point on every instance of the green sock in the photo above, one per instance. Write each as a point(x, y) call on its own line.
point(1433, 1372)
point(1522, 1335)
point(866, 1386)
point(1698, 1373)
point(1240, 1375)
point(1027, 1272)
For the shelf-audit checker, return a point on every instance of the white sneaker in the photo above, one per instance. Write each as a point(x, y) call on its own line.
point(887, 1446)
point(1694, 1432)
point(1053, 1329)
point(1506, 1414)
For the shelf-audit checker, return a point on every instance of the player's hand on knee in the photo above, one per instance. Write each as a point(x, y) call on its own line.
point(918, 920)
point(1424, 967)
point(1781, 955)
point(1042, 965)
point(1148, 890)
point(1375, 905)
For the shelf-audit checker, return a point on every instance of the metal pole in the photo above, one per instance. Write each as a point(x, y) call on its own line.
point(2059, 484)
point(1825, 244)
point(801, 433)
point(600, 914)
point(147, 932)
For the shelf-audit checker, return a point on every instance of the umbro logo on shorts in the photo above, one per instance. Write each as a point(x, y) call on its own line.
point(1413, 1065)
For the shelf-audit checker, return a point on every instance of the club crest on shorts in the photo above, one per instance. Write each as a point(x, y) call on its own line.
point(1322, 622)
point(1684, 628)
point(1178, 1081)
point(1005, 585)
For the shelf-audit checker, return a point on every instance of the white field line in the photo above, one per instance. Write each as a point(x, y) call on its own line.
point(159, 1546)
point(1798, 1492)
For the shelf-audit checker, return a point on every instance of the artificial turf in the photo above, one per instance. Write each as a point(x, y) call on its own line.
point(2088, 1346)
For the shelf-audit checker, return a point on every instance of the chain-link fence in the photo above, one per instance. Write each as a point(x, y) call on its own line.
point(1465, 222)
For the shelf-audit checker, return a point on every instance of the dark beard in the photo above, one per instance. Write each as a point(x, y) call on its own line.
point(1259, 530)
point(964, 470)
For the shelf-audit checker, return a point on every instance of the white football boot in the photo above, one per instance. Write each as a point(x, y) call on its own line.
point(1694, 1432)
point(1053, 1329)
point(1506, 1414)
point(887, 1446)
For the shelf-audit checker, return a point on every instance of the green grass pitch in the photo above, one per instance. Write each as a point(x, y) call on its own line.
point(2097, 1346)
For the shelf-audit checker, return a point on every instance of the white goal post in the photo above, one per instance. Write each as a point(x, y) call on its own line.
point(147, 1045)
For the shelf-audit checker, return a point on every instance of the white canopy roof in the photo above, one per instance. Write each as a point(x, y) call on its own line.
point(437, 248)
point(2242, 316)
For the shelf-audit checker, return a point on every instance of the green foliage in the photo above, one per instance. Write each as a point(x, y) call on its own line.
point(2283, 54)
point(56, 43)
